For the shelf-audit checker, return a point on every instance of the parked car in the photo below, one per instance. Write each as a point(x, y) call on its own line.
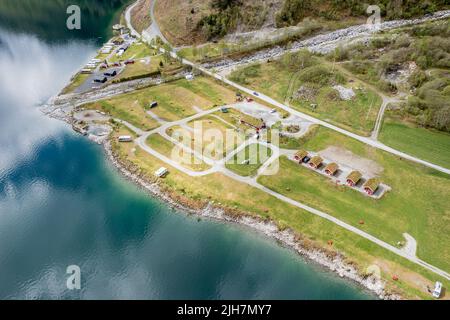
point(111, 74)
point(256, 93)
point(306, 159)
point(117, 64)
point(131, 61)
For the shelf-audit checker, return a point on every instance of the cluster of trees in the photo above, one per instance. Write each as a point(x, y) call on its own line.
point(293, 11)
point(429, 47)
point(225, 17)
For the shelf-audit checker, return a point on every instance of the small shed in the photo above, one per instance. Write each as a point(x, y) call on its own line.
point(315, 162)
point(300, 155)
point(371, 186)
point(161, 172)
point(331, 168)
point(353, 178)
point(125, 139)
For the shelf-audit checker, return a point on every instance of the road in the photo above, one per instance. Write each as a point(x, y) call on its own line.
point(219, 167)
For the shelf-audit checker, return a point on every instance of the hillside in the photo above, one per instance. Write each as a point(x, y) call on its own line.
point(197, 21)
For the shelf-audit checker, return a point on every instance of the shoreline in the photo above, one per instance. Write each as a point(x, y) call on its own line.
point(330, 261)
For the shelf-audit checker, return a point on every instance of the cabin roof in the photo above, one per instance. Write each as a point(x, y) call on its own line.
point(354, 176)
point(332, 167)
point(316, 161)
point(301, 154)
point(372, 184)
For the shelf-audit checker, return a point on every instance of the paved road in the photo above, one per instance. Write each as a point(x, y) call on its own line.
point(219, 166)
point(133, 31)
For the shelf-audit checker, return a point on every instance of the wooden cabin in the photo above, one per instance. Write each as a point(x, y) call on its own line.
point(300, 155)
point(315, 162)
point(371, 186)
point(353, 178)
point(331, 168)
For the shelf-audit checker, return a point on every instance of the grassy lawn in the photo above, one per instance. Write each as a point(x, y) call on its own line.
point(175, 101)
point(427, 144)
point(314, 230)
point(78, 80)
point(137, 50)
point(218, 138)
point(124, 108)
point(417, 204)
point(168, 149)
point(140, 68)
point(256, 154)
point(277, 80)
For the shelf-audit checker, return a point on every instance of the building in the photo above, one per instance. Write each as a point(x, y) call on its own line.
point(371, 186)
point(353, 178)
point(161, 172)
point(125, 139)
point(315, 162)
point(331, 168)
point(300, 155)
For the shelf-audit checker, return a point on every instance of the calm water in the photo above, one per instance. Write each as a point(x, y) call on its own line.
point(62, 204)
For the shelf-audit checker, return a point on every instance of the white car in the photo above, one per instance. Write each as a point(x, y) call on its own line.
point(437, 290)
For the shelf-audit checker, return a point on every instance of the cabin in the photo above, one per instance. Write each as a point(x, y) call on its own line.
point(125, 139)
point(101, 80)
point(353, 178)
point(371, 186)
point(111, 74)
point(315, 162)
point(300, 155)
point(161, 172)
point(331, 169)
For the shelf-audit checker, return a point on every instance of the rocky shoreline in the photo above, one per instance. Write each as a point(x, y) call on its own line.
point(331, 261)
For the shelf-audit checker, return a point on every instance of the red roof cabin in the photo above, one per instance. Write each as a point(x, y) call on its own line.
point(353, 178)
point(371, 186)
point(315, 162)
point(331, 169)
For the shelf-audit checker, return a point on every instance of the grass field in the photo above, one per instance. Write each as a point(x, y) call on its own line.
point(168, 149)
point(417, 204)
point(78, 80)
point(427, 144)
point(137, 50)
point(314, 230)
point(277, 80)
point(256, 154)
point(175, 101)
point(218, 138)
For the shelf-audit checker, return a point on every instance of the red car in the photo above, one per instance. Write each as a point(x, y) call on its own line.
point(129, 62)
point(103, 66)
point(116, 64)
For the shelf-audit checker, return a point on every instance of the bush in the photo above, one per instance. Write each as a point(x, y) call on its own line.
point(321, 75)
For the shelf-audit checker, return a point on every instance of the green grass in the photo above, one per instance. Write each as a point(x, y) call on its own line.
point(168, 149)
point(137, 50)
point(312, 229)
point(75, 83)
point(426, 144)
point(274, 79)
point(417, 204)
point(256, 154)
